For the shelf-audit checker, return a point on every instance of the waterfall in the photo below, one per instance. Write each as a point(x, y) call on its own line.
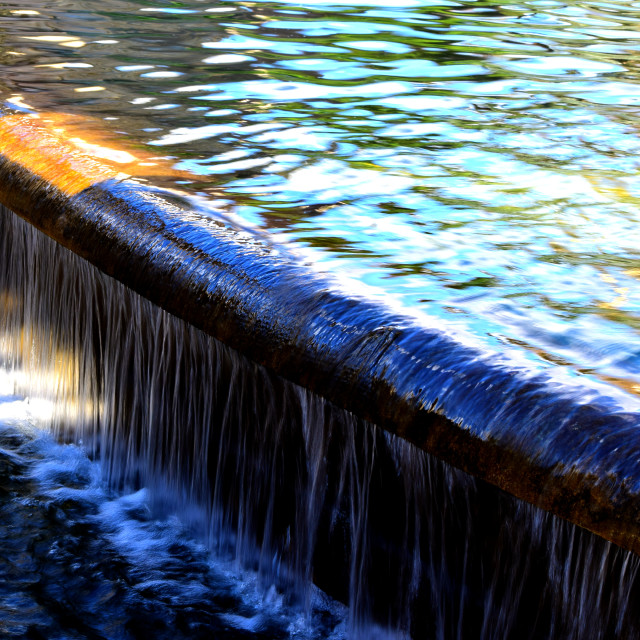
point(286, 483)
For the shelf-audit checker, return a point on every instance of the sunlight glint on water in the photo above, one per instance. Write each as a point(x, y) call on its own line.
point(476, 159)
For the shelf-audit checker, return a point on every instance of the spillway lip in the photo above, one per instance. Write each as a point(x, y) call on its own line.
point(571, 448)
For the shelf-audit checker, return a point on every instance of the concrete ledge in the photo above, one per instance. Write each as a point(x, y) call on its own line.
point(572, 450)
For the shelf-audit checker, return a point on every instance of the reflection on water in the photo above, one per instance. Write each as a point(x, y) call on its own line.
point(475, 158)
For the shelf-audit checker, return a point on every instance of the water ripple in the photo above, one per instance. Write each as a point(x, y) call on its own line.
point(475, 160)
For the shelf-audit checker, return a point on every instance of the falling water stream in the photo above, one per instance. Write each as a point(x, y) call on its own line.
point(217, 499)
point(474, 160)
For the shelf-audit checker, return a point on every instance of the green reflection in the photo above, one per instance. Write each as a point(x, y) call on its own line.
point(477, 160)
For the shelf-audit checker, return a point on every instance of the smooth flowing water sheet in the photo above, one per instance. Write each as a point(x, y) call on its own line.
point(475, 159)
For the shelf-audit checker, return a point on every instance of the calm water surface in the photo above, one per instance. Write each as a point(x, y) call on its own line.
point(476, 159)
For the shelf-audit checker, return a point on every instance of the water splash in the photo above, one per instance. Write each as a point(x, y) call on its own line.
point(277, 480)
point(80, 561)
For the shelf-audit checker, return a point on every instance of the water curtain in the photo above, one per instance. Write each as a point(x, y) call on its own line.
point(307, 430)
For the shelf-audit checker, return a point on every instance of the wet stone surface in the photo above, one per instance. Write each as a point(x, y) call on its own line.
point(476, 160)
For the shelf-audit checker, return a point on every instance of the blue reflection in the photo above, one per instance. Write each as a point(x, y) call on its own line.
point(477, 161)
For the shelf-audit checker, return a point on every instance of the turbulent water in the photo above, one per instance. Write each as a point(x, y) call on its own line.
point(78, 560)
point(215, 494)
point(92, 547)
point(477, 159)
